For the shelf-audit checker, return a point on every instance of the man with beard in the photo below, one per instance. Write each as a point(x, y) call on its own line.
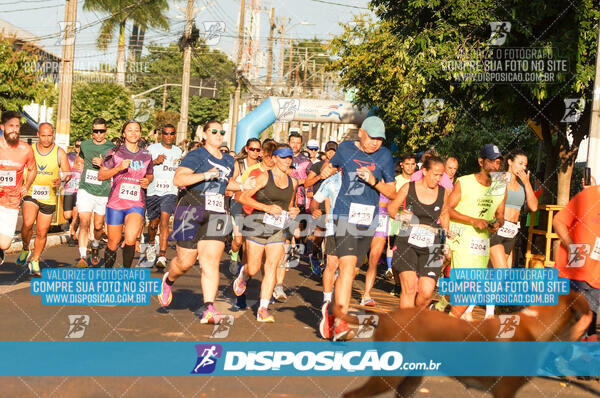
point(15, 156)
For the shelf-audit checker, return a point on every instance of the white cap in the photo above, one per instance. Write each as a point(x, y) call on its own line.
point(312, 144)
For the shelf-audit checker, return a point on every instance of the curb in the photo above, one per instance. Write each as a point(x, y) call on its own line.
point(52, 240)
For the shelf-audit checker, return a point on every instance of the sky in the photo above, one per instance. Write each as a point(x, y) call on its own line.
point(42, 17)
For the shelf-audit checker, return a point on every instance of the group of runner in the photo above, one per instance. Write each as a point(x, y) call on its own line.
point(353, 205)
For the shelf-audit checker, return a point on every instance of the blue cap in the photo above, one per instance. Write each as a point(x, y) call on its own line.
point(374, 127)
point(284, 153)
point(490, 151)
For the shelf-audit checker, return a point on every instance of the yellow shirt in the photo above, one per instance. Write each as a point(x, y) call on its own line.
point(48, 169)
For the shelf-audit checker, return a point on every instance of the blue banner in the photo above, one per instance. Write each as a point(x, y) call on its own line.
point(300, 358)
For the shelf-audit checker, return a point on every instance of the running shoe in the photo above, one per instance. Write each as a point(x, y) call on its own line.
point(82, 263)
point(441, 304)
point(211, 315)
point(395, 291)
point(342, 331)
point(240, 302)
point(239, 284)
point(166, 296)
point(262, 315)
point(1, 256)
point(104, 237)
point(315, 265)
point(34, 269)
point(326, 324)
point(22, 259)
point(95, 254)
point(389, 274)
point(161, 263)
point(151, 253)
point(279, 294)
point(367, 302)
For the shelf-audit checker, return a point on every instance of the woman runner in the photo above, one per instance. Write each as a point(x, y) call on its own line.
point(273, 203)
point(131, 169)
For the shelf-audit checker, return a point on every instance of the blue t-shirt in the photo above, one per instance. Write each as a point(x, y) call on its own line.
point(355, 190)
point(200, 160)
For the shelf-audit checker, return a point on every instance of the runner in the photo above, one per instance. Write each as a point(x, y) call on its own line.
point(131, 170)
point(445, 182)
point(15, 157)
point(162, 193)
point(502, 242)
point(314, 181)
point(273, 204)
point(39, 204)
point(201, 223)
point(451, 168)
point(367, 170)
point(92, 195)
point(418, 255)
point(476, 207)
point(71, 188)
point(313, 150)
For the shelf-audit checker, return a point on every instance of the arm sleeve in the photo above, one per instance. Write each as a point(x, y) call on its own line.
point(109, 159)
point(190, 161)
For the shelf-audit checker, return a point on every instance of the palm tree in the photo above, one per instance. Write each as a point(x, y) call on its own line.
point(143, 13)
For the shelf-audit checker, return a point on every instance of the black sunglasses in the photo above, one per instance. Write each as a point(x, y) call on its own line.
point(215, 131)
point(99, 131)
point(77, 145)
point(169, 133)
point(254, 149)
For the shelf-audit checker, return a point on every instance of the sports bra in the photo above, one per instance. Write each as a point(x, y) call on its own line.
point(515, 199)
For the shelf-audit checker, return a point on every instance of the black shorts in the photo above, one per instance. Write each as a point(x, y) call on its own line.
point(508, 243)
point(425, 261)
point(235, 208)
point(155, 205)
point(351, 239)
point(44, 208)
point(591, 294)
point(69, 201)
point(192, 223)
point(330, 246)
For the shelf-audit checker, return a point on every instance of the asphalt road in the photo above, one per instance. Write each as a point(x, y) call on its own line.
point(24, 318)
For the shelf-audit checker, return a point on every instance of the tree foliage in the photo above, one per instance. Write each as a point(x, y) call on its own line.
point(21, 81)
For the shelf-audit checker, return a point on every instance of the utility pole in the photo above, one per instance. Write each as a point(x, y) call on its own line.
point(63, 114)
point(270, 53)
point(281, 52)
point(238, 89)
point(290, 63)
point(593, 154)
point(185, 82)
point(164, 102)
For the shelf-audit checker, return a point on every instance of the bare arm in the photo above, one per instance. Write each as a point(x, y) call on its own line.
point(185, 177)
point(312, 179)
point(394, 205)
point(562, 230)
point(63, 162)
point(78, 163)
point(246, 197)
point(144, 182)
point(445, 216)
point(31, 174)
point(106, 174)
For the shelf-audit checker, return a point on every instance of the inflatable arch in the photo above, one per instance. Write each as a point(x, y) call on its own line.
point(285, 109)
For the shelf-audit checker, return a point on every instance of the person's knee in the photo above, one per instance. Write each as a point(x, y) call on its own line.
point(41, 233)
point(408, 288)
point(5, 242)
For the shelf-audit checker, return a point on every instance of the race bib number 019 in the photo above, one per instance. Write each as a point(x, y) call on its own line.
point(91, 177)
point(8, 178)
point(421, 237)
point(361, 214)
point(129, 191)
point(40, 192)
point(479, 246)
point(214, 202)
point(162, 186)
point(275, 221)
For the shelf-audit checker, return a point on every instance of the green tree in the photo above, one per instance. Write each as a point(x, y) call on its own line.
point(308, 59)
point(142, 13)
point(21, 81)
point(164, 65)
point(401, 60)
point(110, 101)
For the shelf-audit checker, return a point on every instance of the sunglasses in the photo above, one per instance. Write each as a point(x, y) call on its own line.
point(77, 146)
point(169, 133)
point(215, 131)
point(254, 149)
point(224, 151)
point(99, 131)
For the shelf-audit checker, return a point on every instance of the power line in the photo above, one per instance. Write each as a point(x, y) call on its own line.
point(31, 9)
point(339, 4)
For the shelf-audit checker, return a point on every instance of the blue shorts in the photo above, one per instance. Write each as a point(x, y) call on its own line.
point(117, 217)
point(155, 205)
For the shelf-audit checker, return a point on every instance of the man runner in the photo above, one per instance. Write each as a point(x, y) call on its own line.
point(367, 170)
point(15, 157)
point(39, 204)
point(93, 193)
point(162, 193)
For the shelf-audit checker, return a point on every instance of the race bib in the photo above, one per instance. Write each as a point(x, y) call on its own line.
point(382, 224)
point(275, 221)
point(479, 246)
point(214, 202)
point(421, 237)
point(129, 191)
point(40, 192)
point(361, 214)
point(595, 255)
point(73, 183)
point(8, 178)
point(508, 230)
point(162, 186)
point(91, 177)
